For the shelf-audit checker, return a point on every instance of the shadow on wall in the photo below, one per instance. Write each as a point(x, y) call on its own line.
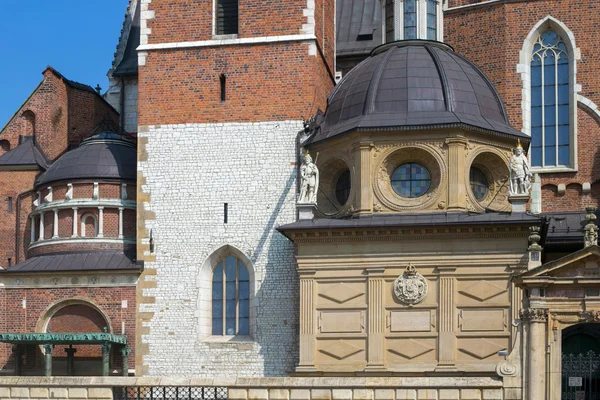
point(278, 296)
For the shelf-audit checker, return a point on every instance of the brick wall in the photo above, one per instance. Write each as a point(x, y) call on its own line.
point(492, 36)
point(13, 183)
point(264, 83)
point(22, 309)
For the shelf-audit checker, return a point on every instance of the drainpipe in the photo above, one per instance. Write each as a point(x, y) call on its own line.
point(18, 224)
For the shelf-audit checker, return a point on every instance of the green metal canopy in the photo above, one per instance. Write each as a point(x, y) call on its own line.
point(63, 338)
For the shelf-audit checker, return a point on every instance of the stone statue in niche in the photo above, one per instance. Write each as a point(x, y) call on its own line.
point(411, 287)
point(590, 231)
point(309, 185)
point(520, 172)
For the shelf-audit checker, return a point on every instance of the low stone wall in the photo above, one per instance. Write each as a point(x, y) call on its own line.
point(356, 388)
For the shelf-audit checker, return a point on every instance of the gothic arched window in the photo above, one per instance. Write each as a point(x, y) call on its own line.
point(550, 97)
point(230, 298)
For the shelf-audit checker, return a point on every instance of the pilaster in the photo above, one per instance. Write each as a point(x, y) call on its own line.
point(536, 357)
point(457, 195)
point(376, 320)
point(362, 165)
point(447, 312)
point(307, 322)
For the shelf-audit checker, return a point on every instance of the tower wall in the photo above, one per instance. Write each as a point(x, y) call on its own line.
point(199, 151)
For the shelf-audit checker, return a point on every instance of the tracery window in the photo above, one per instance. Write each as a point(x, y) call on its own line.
point(230, 298)
point(550, 119)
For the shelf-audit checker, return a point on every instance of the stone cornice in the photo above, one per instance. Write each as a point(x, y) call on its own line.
point(426, 233)
point(84, 203)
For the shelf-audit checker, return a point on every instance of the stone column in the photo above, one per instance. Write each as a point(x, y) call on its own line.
point(307, 322)
point(105, 357)
point(41, 233)
point(75, 220)
point(376, 320)
point(32, 230)
point(100, 221)
point(17, 350)
point(48, 359)
point(70, 360)
point(120, 222)
point(536, 348)
point(447, 336)
point(362, 166)
point(457, 196)
point(55, 225)
point(125, 357)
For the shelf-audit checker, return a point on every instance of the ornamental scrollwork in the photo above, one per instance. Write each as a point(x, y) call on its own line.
point(411, 287)
point(507, 368)
point(589, 316)
point(534, 314)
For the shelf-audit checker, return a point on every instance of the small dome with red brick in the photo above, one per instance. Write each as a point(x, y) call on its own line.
point(105, 156)
point(413, 84)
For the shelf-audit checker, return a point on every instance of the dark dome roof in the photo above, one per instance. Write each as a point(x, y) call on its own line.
point(407, 84)
point(103, 156)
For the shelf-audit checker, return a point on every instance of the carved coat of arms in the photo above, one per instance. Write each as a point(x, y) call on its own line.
point(411, 287)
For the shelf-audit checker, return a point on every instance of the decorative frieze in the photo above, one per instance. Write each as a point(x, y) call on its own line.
point(11, 281)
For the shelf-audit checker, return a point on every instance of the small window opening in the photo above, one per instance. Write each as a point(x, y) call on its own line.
point(9, 261)
point(10, 204)
point(223, 80)
point(227, 17)
point(225, 216)
point(364, 37)
point(592, 292)
point(542, 292)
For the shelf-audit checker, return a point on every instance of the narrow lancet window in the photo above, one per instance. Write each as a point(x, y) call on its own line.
point(230, 298)
point(410, 19)
point(550, 116)
point(432, 19)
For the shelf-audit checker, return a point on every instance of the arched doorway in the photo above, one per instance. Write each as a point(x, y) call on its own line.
point(74, 317)
point(581, 362)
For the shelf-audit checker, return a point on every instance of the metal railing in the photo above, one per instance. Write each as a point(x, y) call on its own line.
point(169, 393)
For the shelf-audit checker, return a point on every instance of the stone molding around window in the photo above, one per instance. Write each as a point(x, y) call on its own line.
point(524, 69)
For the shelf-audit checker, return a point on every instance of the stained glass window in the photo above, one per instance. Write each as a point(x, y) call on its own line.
point(230, 298)
point(550, 138)
point(342, 187)
point(411, 180)
point(479, 183)
point(410, 19)
point(432, 19)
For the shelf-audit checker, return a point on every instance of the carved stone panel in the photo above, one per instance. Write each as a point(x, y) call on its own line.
point(347, 321)
point(482, 320)
point(410, 321)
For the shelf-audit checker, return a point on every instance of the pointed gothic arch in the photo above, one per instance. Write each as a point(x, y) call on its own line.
point(204, 284)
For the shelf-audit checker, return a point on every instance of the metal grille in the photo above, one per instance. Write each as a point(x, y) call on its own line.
point(169, 393)
point(581, 376)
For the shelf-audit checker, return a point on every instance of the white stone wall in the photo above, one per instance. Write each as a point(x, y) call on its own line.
point(191, 171)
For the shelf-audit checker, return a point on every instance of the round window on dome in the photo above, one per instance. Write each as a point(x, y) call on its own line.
point(479, 183)
point(342, 187)
point(411, 180)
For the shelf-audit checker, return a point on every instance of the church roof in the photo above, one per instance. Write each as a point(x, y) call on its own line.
point(103, 156)
point(423, 219)
point(416, 83)
point(78, 261)
point(129, 63)
point(27, 153)
point(358, 27)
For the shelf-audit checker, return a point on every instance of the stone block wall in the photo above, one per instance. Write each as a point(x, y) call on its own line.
point(188, 173)
point(390, 388)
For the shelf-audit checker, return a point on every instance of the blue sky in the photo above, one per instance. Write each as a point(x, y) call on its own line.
point(76, 37)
